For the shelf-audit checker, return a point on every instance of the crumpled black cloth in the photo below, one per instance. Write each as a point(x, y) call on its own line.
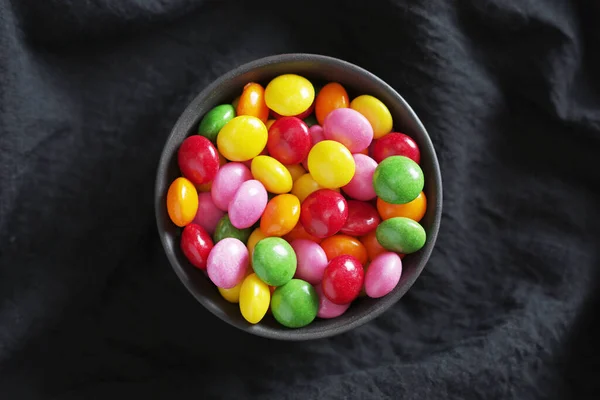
point(507, 307)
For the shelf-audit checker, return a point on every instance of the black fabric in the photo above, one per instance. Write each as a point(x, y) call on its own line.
point(507, 306)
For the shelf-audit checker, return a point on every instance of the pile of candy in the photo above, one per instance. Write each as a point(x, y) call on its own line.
point(298, 200)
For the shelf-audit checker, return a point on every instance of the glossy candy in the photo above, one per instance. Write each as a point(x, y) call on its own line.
point(372, 245)
point(414, 210)
point(227, 263)
point(295, 304)
point(402, 235)
point(376, 112)
point(398, 180)
point(331, 164)
point(182, 201)
point(312, 260)
point(228, 180)
point(304, 186)
point(231, 295)
point(196, 244)
point(349, 127)
point(343, 279)
point(331, 97)
point(316, 134)
point(252, 102)
point(383, 275)
point(242, 138)
point(362, 218)
point(274, 261)
point(289, 94)
point(338, 245)
point(289, 140)
point(215, 120)
point(296, 171)
point(208, 214)
point(396, 144)
point(272, 174)
point(327, 309)
point(225, 229)
point(248, 204)
point(198, 159)
point(281, 215)
point(256, 236)
point(255, 298)
point(302, 115)
point(300, 233)
point(361, 185)
point(323, 213)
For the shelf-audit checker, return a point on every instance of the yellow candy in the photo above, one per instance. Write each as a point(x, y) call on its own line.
point(182, 201)
point(256, 236)
point(281, 215)
point(255, 297)
point(289, 95)
point(304, 186)
point(272, 174)
point(331, 164)
point(242, 138)
point(296, 170)
point(376, 112)
point(231, 295)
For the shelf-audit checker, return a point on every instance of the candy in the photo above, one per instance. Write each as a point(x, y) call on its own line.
point(362, 218)
point(323, 213)
point(396, 144)
point(231, 295)
point(248, 204)
point(414, 210)
point(242, 138)
point(372, 245)
point(289, 140)
point(300, 233)
point(281, 215)
point(208, 214)
point(402, 235)
point(272, 174)
point(304, 186)
point(331, 164)
point(361, 185)
point(302, 115)
point(343, 279)
point(289, 94)
point(227, 263)
point(225, 229)
point(296, 171)
point(376, 112)
point(312, 260)
point(269, 123)
point(252, 102)
point(228, 180)
point(338, 245)
point(398, 180)
point(196, 244)
point(383, 274)
point(295, 304)
point(316, 134)
point(349, 127)
point(274, 261)
point(332, 96)
point(215, 120)
point(256, 236)
point(255, 297)
point(198, 159)
point(327, 309)
point(182, 202)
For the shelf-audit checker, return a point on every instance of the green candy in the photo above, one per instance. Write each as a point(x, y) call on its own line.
point(214, 120)
point(224, 230)
point(311, 120)
point(295, 304)
point(274, 261)
point(398, 180)
point(401, 235)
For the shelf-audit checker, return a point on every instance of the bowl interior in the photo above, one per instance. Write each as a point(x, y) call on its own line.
point(319, 69)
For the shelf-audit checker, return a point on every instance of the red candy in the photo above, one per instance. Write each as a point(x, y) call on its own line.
point(343, 279)
point(396, 144)
point(301, 115)
point(362, 218)
point(323, 213)
point(196, 244)
point(289, 141)
point(198, 159)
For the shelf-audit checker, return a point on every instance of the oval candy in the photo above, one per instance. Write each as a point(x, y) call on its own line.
point(242, 138)
point(214, 120)
point(208, 214)
point(348, 127)
point(331, 164)
point(196, 245)
point(227, 181)
point(272, 174)
point(252, 102)
point(401, 235)
point(281, 215)
point(312, 260)
point(182, 202)
point(255, 298)
point(323, 213)
point(383, 275)
point(289, 94)
point(360, 186)
point(227, 263)
point(248, 204)
point(274, 261)
point(225, 229)
point(343, 279)
point(295, 304)
point(376, 112)
point(398, 180)
point(198, 159)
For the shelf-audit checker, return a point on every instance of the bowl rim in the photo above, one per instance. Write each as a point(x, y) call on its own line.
point(188, 114)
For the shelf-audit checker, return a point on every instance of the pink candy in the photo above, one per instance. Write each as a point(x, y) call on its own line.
point(226, 183)
point(327, 309)
point(316, 134)
point(227, 263)
point(248, 204)
point(383, 274)
point(349, 127)
point(361, 185)
point(208, 214)
point(312, 260)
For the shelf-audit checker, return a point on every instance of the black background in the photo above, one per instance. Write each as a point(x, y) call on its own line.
point(507, 306)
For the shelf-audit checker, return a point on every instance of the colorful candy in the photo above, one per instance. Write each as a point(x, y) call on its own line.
point(228, 180)
point(274, 261)
point(398, 180)
point(182, 202)
point(402, 235)
point(343, 279)
point(208, 214)
point(361, 185)
point(256, 236)
point(396, 144)
point(225, 229)
point(376, 112)
point(227, 263)
point(312, 260)
point(328, 309)
point(272, 174)
point(289, 140)
point(348, 127)
point(304, 186)
point(295, 304)
point(281, 215)
point(362, 218)
point(338, 245)
point(383, 274)
point(414, 209)
point(331, 97)
point(242, 138)
point(372, 245)
point(215, 120)
point(252, 102)
point(254, 299)
point(248, 204)
point(324, 213)
point(289, 95)
point(196, 245)
point(331, 164)
point(296, 171)
point(198, 159)
point(300, 233)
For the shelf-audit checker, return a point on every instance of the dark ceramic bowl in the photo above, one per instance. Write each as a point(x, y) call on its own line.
point(317, 68)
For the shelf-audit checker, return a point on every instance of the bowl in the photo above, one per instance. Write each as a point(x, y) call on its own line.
point(357, 81)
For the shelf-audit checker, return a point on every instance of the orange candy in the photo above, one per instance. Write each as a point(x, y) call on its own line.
point(337, 245)
point(281, 215)
point(204, 187)
point(300, 233)
point(252, 102)
point(372, 245)
point(330, 97)
point(414, 210)
point(256, 236)
point(182, 201)
point(269, 123)
point(296, 170)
